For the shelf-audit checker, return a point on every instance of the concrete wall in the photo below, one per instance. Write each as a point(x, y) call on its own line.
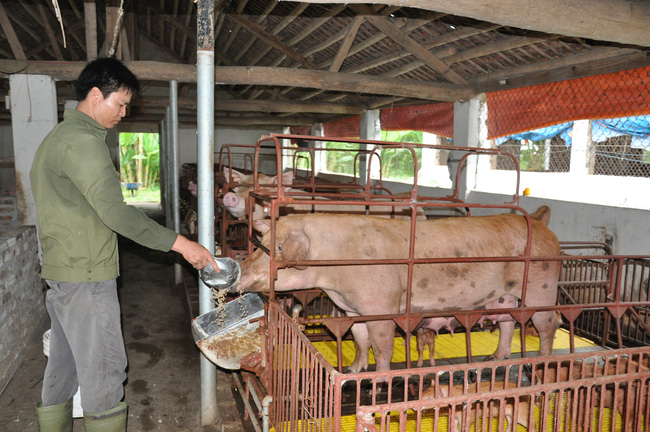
point(187, 140)
point(21, 297)
point(625, 229)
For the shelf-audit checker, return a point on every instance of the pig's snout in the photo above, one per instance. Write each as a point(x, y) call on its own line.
point(230, 199)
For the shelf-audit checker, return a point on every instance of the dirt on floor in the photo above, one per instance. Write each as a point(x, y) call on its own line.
point(163, 388)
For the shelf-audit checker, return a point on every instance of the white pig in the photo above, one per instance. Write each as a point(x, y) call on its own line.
point(381, 289)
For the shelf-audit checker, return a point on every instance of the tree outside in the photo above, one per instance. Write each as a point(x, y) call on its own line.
point(140, 166)
point(397, 164)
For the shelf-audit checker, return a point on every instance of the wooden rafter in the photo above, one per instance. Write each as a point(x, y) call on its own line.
point(411, 46)
point(8, 28)
point(344, 49)
point(50, 33)
point(259, 32)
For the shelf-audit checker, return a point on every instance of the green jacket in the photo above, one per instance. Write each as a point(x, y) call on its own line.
point(79, 205)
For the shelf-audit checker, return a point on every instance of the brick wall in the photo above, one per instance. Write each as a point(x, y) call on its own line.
point(21, 297)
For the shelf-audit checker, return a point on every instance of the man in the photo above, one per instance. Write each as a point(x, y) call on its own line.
point(80, 211)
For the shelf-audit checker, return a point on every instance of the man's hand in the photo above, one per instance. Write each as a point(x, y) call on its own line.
point(194, 253)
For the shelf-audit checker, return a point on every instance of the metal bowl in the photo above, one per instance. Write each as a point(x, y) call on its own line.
point(228, 276)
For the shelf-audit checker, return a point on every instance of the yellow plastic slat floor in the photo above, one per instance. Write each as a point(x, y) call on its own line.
point(452, 346)
point(448, 347)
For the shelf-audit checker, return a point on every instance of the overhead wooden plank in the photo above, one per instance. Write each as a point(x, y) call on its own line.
point(344, 49)
point(246, 105)
point(337, 81)
point(69, 71)
point(400, 38)
point(16, 48)
point(268, 121)
point(623, 22)
point(90, 19)
point(561, 69)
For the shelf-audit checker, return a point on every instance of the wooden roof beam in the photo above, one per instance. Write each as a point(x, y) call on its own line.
point(624, 22)
point(90, 18)
point(398, 36)
point(10, 33)
point(287, 106)
point(340, 82)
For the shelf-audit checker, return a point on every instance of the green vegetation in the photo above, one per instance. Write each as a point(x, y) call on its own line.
point(140, 158)
point(341, 161)
point(397, 164)
point(533, 156)
point(140, 163)
point(151, 194)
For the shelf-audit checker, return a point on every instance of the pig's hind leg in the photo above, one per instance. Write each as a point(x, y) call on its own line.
point(506, 332)
point(382, 338)
point(546, 324)
point(361, 346)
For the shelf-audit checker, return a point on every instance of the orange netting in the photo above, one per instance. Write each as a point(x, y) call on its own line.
point(348, 127)
point(437, 119)
point(618, 94)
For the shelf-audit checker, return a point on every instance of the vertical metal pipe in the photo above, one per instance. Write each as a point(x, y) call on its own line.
point(205, 155)
point(170, 169)
point(176, 209)
point(163, 166)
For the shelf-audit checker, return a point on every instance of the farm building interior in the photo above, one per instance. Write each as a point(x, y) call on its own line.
point(516, 111)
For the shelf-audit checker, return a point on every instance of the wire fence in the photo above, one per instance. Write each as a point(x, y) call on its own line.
point(597, 125)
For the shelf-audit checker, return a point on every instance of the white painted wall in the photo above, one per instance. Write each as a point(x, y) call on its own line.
point(627, 229)
point(188, 141)
point(33, 116)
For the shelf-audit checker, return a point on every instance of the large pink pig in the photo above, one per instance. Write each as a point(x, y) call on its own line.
point(381, 289)
point(236, 200)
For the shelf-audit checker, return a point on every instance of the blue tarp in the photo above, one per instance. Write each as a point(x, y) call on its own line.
point(542, 134)
point(638, 127)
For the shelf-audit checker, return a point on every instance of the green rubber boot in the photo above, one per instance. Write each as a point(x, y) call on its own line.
point(113, 420)
point(55, 418)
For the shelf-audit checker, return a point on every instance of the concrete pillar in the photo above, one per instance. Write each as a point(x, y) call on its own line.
point(33, 116)
point(466, 134)
point(318, 161)
point(286, 143)
point(581, 155)
point(370, 129)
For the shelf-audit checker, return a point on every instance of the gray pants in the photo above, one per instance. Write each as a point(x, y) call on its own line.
point(86, 345)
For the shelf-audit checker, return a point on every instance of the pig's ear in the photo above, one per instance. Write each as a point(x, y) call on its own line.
point(295, 248)
point(262, 225)
point(236, 175)
point(287, 180)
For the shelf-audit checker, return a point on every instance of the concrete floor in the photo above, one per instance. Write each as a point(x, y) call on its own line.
point(163, 387)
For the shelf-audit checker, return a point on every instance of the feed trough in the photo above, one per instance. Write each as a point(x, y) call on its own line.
point(227, 335)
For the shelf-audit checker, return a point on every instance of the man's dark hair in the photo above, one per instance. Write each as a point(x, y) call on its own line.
point(108, 75)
